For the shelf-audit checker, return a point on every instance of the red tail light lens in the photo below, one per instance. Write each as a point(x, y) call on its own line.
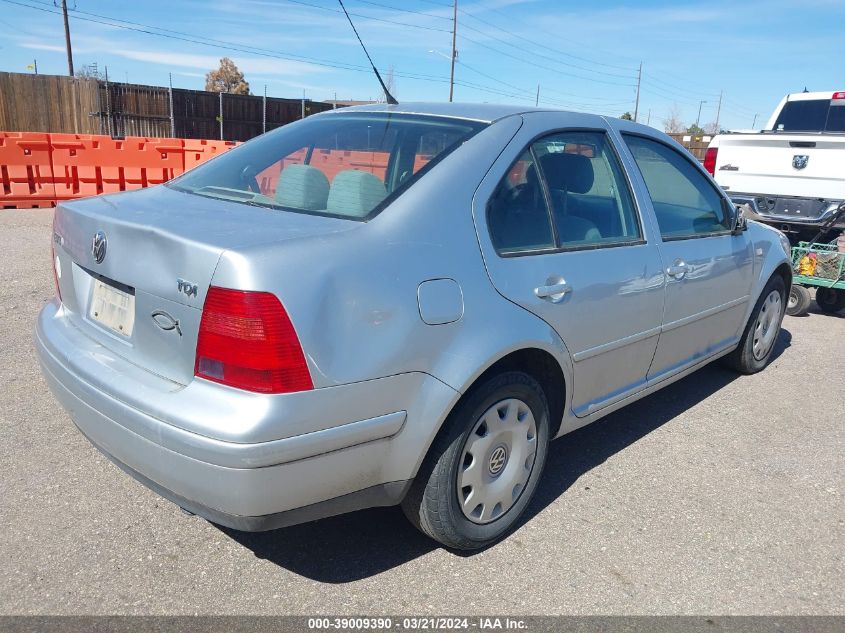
point(246, 340)
point(710, 160)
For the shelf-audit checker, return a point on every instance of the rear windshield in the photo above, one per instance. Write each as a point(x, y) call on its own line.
point(346, 165)
point(816, 115)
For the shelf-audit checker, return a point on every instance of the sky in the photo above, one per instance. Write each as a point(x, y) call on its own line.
point(583, 55)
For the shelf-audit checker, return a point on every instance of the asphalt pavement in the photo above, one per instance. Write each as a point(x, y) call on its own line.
point(720, 494)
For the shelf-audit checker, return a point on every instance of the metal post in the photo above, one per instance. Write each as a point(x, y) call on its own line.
point(303, 104)
point(754, 123)
point(637, 103)
point(718, 111)
point(537, 99)
point(698, 118)
point(334, 103)
point(648, 120)
point(221, 115)
point(264, 111)
point(108, 104)
point(67, 40)
point(454, 52)
point(35, 64)
point(170, 95)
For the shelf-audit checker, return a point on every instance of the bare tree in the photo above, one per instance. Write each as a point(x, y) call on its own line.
point(711, 128)
point(227, 79)
point(673, 124)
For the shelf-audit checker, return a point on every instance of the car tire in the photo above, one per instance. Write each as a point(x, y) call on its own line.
point(830, 300)
point(479, 463)
point(761, 333)
point(798, 302)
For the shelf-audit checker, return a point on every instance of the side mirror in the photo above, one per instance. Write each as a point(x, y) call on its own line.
point(734, 213)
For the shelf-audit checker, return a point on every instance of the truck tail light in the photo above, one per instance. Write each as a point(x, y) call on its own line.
point(246, 340)
point(838, 95)
point(710, 160)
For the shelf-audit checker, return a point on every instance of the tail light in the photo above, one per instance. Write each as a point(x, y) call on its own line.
point(246, 340)
point(710, 160)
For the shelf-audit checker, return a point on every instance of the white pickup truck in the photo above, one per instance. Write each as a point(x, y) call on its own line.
point(792, 173)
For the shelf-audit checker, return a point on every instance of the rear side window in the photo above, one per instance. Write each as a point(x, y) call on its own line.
point(566, 191)
point(816, 115)
point(685, 202)
point(341, 165)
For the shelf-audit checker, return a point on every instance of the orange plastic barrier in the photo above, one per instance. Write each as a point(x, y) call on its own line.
point(200, 150)
point(26, 171)
point(88, 165)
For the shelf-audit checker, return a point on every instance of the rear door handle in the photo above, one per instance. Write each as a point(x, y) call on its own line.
point(554, 290)
point(678, 269)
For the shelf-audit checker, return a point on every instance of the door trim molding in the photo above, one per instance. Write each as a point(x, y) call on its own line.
point(668, 327)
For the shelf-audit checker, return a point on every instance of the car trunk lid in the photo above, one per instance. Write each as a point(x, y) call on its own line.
point(140, 290)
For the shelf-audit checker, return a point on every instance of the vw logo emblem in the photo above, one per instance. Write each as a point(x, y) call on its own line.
point(498, 459)
point(98, 247)
point(799, 161)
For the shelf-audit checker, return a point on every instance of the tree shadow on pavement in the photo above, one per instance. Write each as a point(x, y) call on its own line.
point(362, 544)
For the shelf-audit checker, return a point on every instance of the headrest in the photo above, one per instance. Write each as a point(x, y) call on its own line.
point(572, 173)
point(355, 193)
point(302, 187)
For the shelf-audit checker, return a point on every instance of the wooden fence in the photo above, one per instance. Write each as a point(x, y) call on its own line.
point(696, 144)
point(51, 103)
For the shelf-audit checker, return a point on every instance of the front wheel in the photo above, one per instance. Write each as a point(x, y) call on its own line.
point(484, 466)
point(758, 341)
point(830, 300)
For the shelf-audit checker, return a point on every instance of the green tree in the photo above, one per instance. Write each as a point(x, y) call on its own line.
point(627, 116)
point(227, 79)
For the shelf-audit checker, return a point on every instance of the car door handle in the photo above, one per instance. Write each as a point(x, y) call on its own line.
point(678, 269)
point(554, 290)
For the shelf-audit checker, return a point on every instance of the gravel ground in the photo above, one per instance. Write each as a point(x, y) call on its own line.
point(719, 494)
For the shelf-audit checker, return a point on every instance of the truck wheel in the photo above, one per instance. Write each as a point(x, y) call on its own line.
point(761, 333)
point(799, 301)
point(830, 299)
point(483, 467)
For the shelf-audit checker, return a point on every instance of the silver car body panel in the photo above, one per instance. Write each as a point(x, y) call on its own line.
point(390, 348)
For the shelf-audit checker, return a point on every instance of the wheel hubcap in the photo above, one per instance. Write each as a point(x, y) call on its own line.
point(766, 328)
point(497, 461)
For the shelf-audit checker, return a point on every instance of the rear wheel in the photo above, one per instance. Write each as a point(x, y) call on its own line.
point(798, 302)
point(484, 466)
point(761, 333)
point(830, 299)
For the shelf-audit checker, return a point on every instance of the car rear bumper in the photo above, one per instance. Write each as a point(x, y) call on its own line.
point(245, 485)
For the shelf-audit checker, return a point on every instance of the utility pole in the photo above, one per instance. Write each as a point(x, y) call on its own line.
point(718, 111)
point(698, 118)
point(537, 100)
point(637, 103)
point(67, 40)
point(303, 104)
point(221, 114)
point(264, 111)
point(454, 52)
point(754, 123)
point(648, 120)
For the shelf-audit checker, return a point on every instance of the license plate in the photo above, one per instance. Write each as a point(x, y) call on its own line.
point(113, 308)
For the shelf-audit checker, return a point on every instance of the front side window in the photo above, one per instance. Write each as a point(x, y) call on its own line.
point(567, 190)
point(343, 165)
point(685, 202)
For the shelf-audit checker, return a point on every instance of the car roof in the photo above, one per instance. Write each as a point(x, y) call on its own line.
point(485, 112)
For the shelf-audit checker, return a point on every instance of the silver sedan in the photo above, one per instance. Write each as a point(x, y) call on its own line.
point(397, 304)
